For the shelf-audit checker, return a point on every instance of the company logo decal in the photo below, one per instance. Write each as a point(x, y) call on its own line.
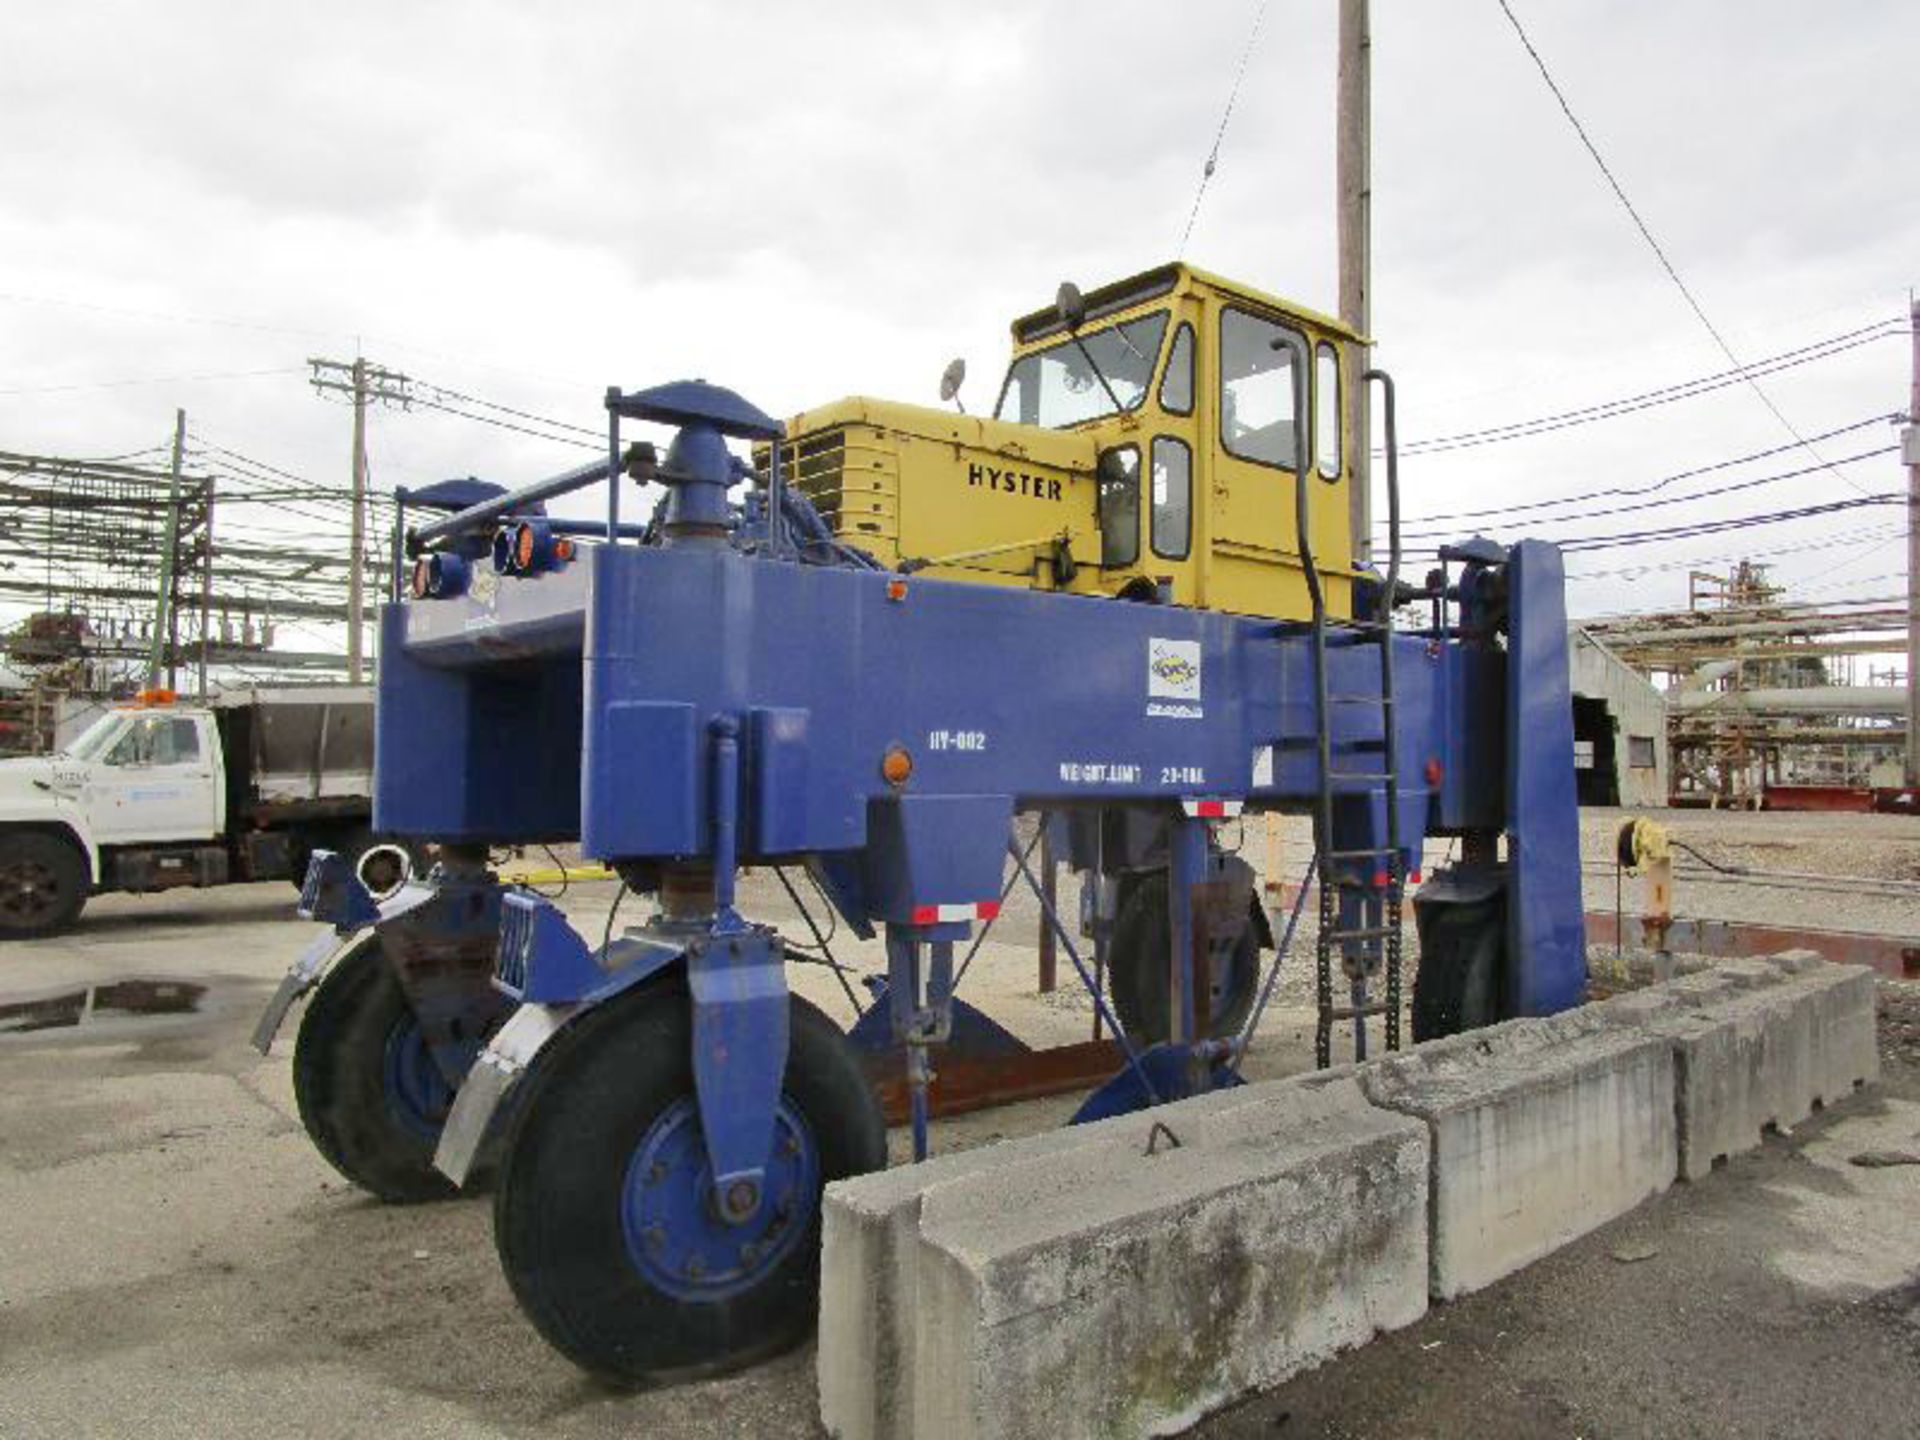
point(1173, 679)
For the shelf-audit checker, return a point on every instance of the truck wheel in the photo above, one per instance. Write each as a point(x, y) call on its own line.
point(1138, 979)
point(603, 1218)
point(43, 885)
point(1458, 984)
point(368, 1090)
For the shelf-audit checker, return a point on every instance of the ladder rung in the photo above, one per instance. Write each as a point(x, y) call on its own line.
point(1360, 775)
point(1359, 854)
point(1366, 932)
point(1365, 699)
point(1356, 1012)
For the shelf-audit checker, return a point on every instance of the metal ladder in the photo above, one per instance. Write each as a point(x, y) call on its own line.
point(1373, 945)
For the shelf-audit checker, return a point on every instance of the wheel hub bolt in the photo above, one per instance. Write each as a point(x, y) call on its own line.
point(742, 1196)
point(696, 1267)
point(656, 1237)
point(656, 1172)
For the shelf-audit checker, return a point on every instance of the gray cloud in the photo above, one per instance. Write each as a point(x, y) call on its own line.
point(529, 201)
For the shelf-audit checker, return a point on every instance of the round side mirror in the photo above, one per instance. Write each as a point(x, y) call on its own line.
point(1071, 305)
point(952, 378)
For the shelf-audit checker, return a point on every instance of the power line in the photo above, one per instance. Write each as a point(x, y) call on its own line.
point(1580, 543)
point(114, 459)
point(1652, 486)
point(1654, 245)
point(1793, 359)
point(1425, 532)
point(173, 316)
point(1213, 155)
point(147, 380)
point(235, 455)
point(1865, 535)
point(599, 445)
point(256, 469)
point(440, 390)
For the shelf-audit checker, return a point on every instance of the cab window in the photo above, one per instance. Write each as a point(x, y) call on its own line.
point(93, 742)
point(1172, 520)
point(1062, 385)
point(135, 745)
point(156, 740)
point(1176, 386)
point(1119, 506)
point(1257, 419)
point(176, 741)
point(1326, 411)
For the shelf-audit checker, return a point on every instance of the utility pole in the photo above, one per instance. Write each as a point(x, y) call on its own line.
point(206, 583)
point(1910, 452)
point(362, 382)
point(163, 602)
point(1353, 181)
point(357, 528)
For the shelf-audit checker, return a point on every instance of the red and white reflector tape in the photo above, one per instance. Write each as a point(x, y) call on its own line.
point(1213, 809)
point(950, 914)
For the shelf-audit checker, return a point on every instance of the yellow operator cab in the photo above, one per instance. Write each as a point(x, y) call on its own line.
point(1144, 445)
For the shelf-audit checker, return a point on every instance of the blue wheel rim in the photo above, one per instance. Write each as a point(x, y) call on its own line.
point(673, 1232)
point(418, 1095)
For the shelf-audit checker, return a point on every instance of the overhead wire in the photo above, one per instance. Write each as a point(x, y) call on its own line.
point(599, 445)
point(1865, 535)
point(1579, 543)
point(1425, 530)
point(441, 390)
point(1808, 354)
point(1654, 245)
point(146, 380)
point(1651, 487)
point(1220, 135)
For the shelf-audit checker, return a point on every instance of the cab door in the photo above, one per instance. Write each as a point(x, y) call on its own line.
point(1261, 428)
point(156, 784)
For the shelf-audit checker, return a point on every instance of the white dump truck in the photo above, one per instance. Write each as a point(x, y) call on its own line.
point(158, 793)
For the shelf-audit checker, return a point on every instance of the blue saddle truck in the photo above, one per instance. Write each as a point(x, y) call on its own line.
point(737, 681)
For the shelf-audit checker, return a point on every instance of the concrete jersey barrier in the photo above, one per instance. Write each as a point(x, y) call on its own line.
point(1074, 1284)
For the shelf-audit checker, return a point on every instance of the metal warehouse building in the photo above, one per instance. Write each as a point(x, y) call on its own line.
point(1619, 728)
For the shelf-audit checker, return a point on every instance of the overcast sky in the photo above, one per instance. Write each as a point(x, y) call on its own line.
point(527, 203)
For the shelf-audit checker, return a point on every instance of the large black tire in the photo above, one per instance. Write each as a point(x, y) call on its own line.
point(362, 1082)
point(1459, 982)
point(1137, 974)
point(590, 1108)
point(43, 885)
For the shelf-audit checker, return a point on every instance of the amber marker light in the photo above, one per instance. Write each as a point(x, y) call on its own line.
point(896, 765)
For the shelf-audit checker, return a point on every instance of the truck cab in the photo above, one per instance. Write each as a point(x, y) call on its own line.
point(155, 794)
point(137, 777)
point(1145, 446)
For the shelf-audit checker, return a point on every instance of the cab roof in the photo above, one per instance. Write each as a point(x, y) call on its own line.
point(1168, 280)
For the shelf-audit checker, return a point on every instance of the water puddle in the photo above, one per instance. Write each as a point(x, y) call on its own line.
point(70, 1009)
